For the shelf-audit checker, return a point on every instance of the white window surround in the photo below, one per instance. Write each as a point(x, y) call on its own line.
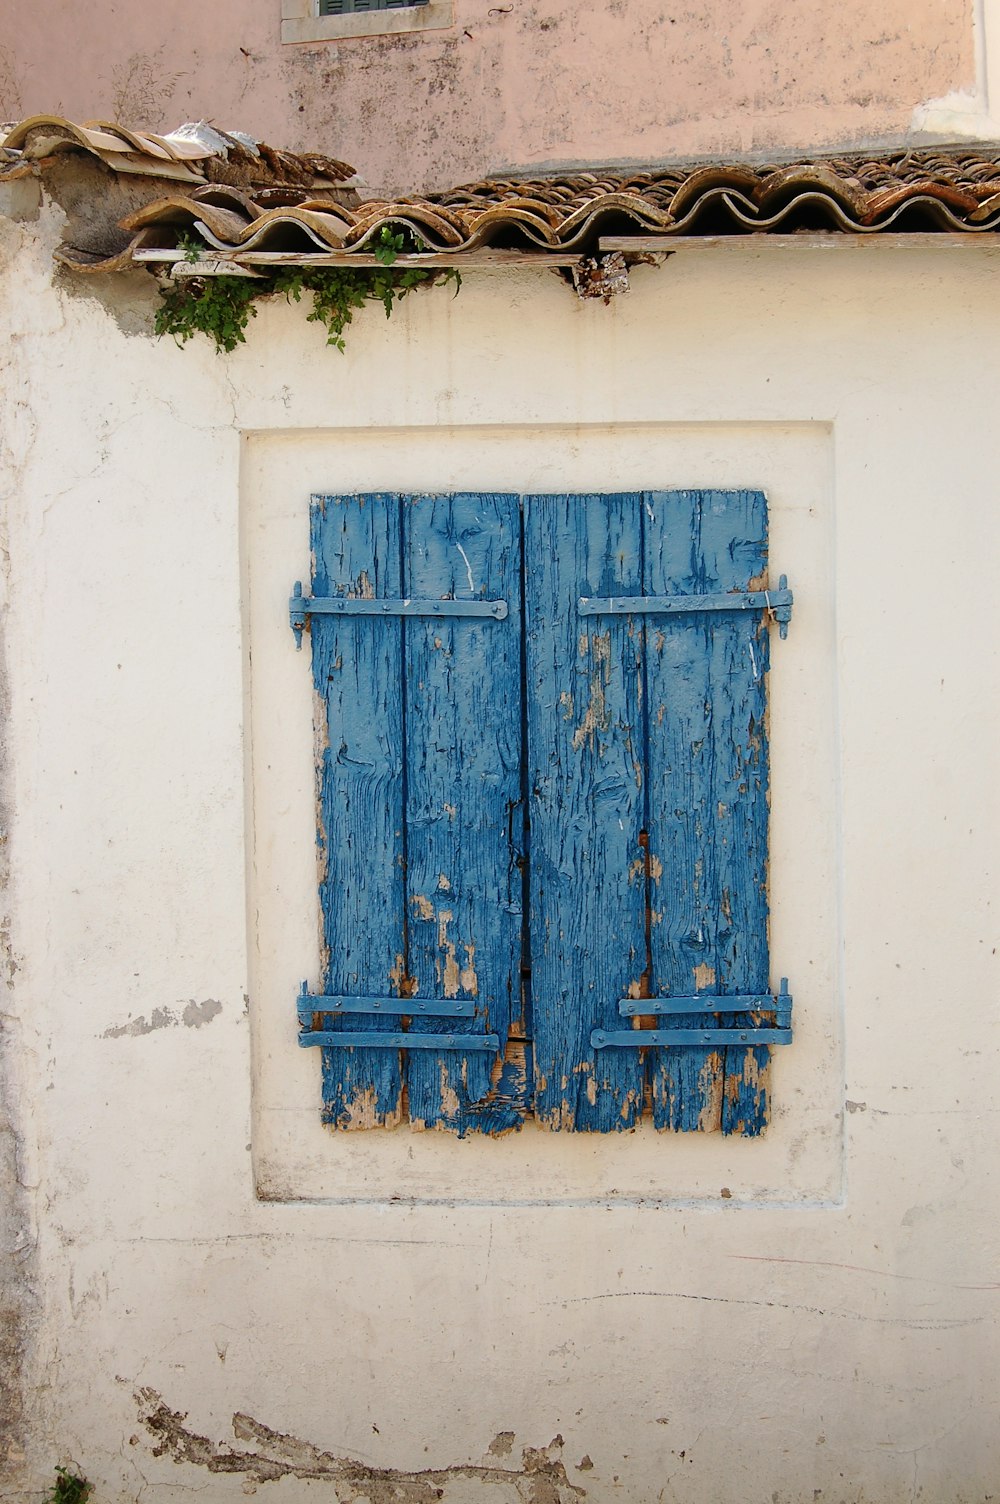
point(799, 1160)
point(300, 23)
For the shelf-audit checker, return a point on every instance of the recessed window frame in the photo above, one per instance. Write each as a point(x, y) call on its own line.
point(301, 23)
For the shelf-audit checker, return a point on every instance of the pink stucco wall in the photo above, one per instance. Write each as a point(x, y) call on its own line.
point(513, 82)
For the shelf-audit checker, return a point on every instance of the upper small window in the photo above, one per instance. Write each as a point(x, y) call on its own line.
point(356, 7)
point(330, 20)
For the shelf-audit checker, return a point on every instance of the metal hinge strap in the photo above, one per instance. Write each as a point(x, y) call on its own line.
point(309, 1004)
point(777, 603)
point(780, 1004)
point(301, 607)
point(370, 1040)
point(716, 1036)
point(714, 1039)
point(443, 1007)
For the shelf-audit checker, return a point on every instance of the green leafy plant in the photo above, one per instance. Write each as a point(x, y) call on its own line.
point(69, 1488)
point(389, 245)
point(222, 307)
point(190, 245)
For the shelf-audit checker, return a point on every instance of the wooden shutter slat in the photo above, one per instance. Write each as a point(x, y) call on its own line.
point(586, 804)
point(708, 797)
point(356, 661)
point(463, 754)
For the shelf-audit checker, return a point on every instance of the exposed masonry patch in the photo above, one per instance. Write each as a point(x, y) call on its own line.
point(540, 1479)
point(194, 1015)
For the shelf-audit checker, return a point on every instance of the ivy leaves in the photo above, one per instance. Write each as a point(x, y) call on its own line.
point(222, 307)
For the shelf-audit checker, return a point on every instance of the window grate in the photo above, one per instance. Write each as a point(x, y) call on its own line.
point(358, 7)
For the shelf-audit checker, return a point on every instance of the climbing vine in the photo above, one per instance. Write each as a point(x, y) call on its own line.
point(222, 307)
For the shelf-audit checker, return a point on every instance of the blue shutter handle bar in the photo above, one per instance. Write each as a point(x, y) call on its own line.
point(301, 607)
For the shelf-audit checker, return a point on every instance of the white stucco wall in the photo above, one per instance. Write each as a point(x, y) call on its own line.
point(812, 1316)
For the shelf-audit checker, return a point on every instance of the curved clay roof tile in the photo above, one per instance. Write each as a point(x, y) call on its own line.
point(705, 179)
point(427, 226)
point(175, 209)
point(326, 229)
point(884, 201)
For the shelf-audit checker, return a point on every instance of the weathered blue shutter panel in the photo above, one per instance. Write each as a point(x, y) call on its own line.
point(708, 797)
point(463, 787)
point(419, 784)
point(587, 793)
point(356, 660)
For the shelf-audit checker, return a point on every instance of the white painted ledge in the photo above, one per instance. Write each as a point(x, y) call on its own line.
point(299, 22)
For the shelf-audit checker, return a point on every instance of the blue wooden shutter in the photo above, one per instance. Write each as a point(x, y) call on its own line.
point(647, 758)
point(643, 768)
point(419, 786)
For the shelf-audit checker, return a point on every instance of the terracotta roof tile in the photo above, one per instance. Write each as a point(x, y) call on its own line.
point(956, 190)
point(239, 196)
point(194, 153)
point(102, 173)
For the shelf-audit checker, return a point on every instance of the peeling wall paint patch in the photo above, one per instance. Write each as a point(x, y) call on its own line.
point(160, 1018)
point(540, 1479)
point(194, 1015)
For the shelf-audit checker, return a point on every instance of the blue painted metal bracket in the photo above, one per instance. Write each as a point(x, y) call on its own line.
point(777, 603)
point(368, 1039)
point(442, 1007)
point(301, 607)
point(309, 1004)
point(767, 1002)
point(715, 1037)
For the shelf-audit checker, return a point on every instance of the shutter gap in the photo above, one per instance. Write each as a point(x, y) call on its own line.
point(645, 979)
point(407, 983)
point(526, 1022)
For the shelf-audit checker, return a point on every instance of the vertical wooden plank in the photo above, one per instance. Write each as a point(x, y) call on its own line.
point(705, 676)
point(356, 677)
point(463, 768)
point(586, 799)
